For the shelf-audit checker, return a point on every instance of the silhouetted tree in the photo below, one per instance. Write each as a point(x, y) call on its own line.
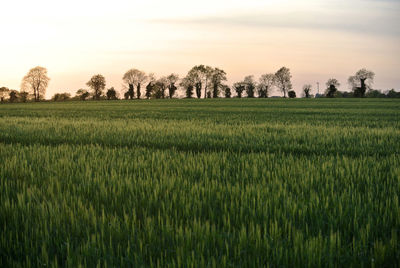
point(13, 96)
point(201, 75)
point(61, 97)
point(36, 82)
point(265, 85)
point(131, 91)
point(239, 88)
point(126, 95)
point(3, 93)
point(24, 96)
point(292, 94)
point(282, 80)
point(150, 86)
point(217, 77)
point(332, 84)
point(375, 94)
point(307, 90)
point(393, 94)
point(188, 84)
point(250, 86)
point(82, 94)
point(172, 79)
point(97, 83)
point(111, 94)
point(227, 91)
point(134, 77)
point(361, 81)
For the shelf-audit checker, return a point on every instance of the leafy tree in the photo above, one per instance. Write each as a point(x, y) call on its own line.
point(375, 94)
point(217, 77)
point(282, 80)
point(36, 82)
point(227, 91)
point(292, 94)
point(361, 81)
point(24, 96)
point(97, 83)
point(132, 78)
point(250, 85)
point(265, 85)
point(172, 79)
point(111, 94)
point(13, 96)
point(239, 88)
point(306, 90)
point(332, 84)
point(201, 76)
point(188, 84)
point(82, 94)
point(3, 93)
point(393, 94)
point(61, 96)
point(131, 91)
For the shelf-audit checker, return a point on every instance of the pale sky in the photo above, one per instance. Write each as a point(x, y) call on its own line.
point(316, 39)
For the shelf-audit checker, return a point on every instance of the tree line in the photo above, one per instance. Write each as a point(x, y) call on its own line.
point(201, 81)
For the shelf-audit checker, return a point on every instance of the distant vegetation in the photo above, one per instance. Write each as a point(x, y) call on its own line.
point(200, 82)
point(211, 183)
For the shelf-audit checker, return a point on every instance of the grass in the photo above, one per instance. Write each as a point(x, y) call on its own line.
point(200, 183)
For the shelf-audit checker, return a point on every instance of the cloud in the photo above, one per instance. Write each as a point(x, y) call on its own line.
point(362, 21)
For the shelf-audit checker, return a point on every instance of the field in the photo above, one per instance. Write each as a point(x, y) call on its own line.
point(200, 183)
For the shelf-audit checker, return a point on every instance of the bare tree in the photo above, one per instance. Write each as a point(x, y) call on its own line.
point(172, 80)
point(361, 81)
point(150, 85)
point(331, 87)
point(265, 85)
point(97, 83)
point(36, 82)
point(307, 90)
point(282, 80)
point(188, 83)
point(3, 93)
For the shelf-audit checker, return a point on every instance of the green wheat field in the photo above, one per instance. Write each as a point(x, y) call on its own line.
point(200, 183)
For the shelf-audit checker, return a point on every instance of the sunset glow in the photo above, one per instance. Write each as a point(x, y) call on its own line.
point(317, 40)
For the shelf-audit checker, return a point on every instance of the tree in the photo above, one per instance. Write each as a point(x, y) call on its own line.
point(250, 85)
point(307, 89)
point(111, 94)
point(134, 77)
point(332, 84)
point(188, 84)
point(361, 81)
point(239, 88)
point(24, 96)
point(97, 83)
point(217, 77)
point(265, 85)
point(201, 75)
point(13, 96)
point(61, 97)
point(282, 80)
point(172, 79)
point(36, 82)
point(227, 91)
point(82, 94)
point(3, 93)
point(162, 84)
point(150, 85)
point(393, 94)
point(292, 94)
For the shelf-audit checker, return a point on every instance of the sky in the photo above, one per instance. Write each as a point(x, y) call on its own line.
point(316, 39)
